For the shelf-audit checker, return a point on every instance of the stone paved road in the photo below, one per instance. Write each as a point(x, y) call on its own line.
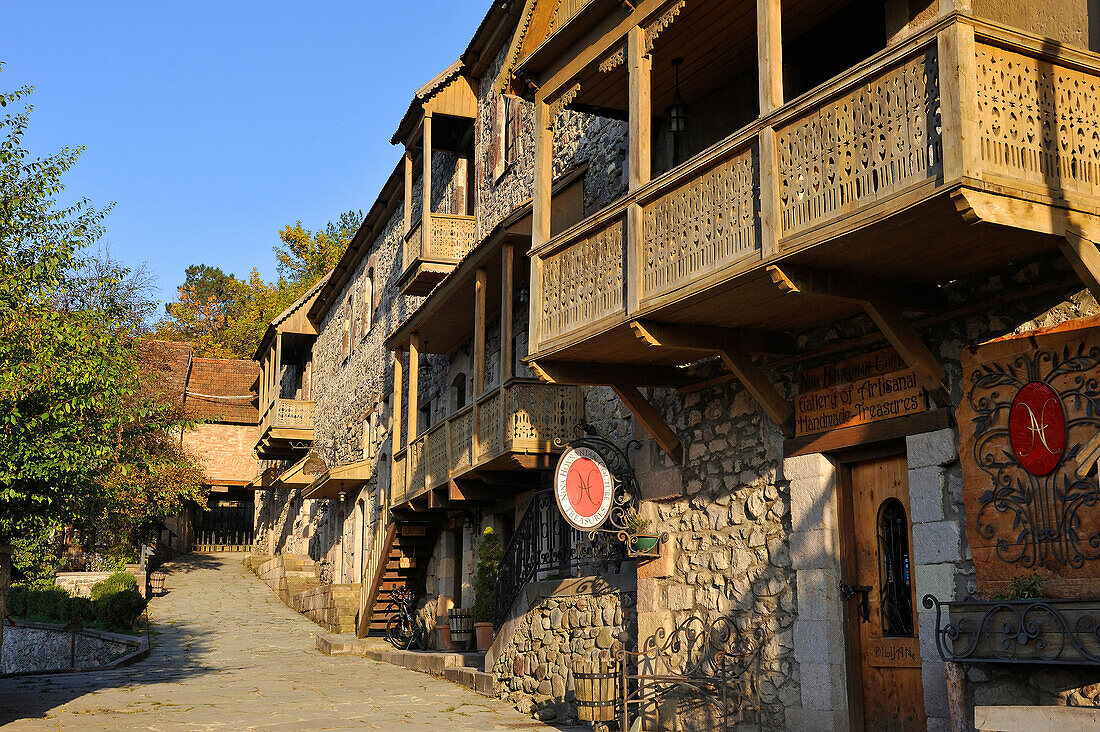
point(228, 655)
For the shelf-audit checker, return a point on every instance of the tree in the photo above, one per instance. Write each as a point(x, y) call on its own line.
point(81, 435)
point(225, 317)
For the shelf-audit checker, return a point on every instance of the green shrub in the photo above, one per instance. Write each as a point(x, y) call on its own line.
point(489, 554)
point(117, 582)
point(17, 601)
point(38, 558)
point(120, 610)
point(47, 606)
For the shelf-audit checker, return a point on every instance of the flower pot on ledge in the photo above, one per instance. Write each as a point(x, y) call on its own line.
point(484, 633)
point(644, 545)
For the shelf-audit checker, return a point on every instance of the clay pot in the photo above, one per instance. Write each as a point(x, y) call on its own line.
point(443, 637)
point(484, 633)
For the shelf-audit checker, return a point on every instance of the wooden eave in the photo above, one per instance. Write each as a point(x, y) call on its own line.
point(342, 478)
point(389, 198)
point(496, 30)
point(445, 319)
point(295, 319)
point(450, 93)
point(550, 48)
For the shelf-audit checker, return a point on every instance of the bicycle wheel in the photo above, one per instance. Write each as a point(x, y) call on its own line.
point(397, 633)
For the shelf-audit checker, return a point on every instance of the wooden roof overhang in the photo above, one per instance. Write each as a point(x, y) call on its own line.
point(445, 320)
point(294, 319)
point(340, 479)
point(389, 198)
point(451, 99)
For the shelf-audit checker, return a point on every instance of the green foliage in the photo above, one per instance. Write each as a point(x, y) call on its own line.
point(224, 316)
point(37, 557)
point(489, 554)
point(1025, 588)
point(117, 582)
point(82, 440)
point(635, 524)
point(116, 611)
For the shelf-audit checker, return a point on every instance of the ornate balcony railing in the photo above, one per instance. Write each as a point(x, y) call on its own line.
point(890, 133)
point(296, 414)
point(1035, 631)
point(451, 238)
point(522, 417)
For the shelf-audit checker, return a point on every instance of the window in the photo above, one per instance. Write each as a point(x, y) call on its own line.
point(345, 350)
point(458, 390)
point(368, 303)
point(511, 129)
point(895, 581)
point(507, 128)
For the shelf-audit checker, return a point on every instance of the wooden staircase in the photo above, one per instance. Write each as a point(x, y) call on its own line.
point(400, 557)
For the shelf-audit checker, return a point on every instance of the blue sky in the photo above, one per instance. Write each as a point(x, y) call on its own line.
point(214, 124)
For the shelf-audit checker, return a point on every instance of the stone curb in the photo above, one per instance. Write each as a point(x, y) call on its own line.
point(140, 644)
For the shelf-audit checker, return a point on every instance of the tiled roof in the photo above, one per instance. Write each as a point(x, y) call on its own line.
point(205, 387)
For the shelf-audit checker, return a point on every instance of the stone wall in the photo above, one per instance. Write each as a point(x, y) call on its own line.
point(5, 582)
point(559, 621)
point(36, 647)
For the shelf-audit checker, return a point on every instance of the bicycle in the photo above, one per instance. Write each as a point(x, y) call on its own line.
point(404, 630)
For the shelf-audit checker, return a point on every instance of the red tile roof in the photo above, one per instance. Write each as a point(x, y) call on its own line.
point(208, 389)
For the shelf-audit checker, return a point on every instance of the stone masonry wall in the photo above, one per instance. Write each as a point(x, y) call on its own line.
point(572, 618)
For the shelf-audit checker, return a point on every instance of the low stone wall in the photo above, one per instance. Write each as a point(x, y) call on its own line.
point(43, 647)
point(79, 584)
point(333, 607)
point(552, 623)
point(5, 580)
point(289, 574)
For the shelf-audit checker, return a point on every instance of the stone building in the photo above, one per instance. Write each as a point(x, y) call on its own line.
point(217, 394)
point(823, 275)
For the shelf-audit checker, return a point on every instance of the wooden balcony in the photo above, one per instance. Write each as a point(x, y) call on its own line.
point(963, 148)
point(285, 427)
point(429, 259)
point(524, 419)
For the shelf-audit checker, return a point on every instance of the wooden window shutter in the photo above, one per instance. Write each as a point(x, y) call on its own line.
point(496, 149)
point(458, 194)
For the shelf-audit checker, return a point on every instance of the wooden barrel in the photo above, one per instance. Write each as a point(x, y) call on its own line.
point(462, 625)
point(156, 579)
point(596, 682)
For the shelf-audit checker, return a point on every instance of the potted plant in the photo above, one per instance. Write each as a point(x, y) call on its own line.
point(639, 543)
point(489, 554)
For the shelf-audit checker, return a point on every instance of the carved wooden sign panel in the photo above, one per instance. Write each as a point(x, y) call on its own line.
point(867, 388)
point(1029, 404)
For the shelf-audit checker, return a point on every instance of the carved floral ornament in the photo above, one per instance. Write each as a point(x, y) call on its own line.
point(663, 21)
point(1032, 504)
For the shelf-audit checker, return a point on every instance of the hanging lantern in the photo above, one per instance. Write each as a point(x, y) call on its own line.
point(676, 113)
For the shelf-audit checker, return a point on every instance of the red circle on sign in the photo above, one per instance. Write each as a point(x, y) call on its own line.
point(1037, 428)
point(584, 487)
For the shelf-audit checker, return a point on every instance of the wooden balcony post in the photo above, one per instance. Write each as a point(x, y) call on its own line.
point(480, 284)
point(426, 189)
point(507, 292)
point(769, 50)
point(540, 215)
point(398, 388)
point(958, 90)
point(408, 191)
point(639, 134)
point(278, 365)
point(414, 384)
point(947, 7)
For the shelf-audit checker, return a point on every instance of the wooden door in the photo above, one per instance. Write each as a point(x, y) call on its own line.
point(883, 609)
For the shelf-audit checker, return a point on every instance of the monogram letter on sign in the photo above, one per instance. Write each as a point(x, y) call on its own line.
point(1031, 404)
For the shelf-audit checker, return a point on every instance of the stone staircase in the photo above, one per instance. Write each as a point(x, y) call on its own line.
point(296, 579)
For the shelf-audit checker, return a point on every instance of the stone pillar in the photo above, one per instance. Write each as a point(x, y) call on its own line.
point(5, 580)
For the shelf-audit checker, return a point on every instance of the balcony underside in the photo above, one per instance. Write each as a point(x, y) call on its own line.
point(929, 242)
point(422, 276)
point(279, 443)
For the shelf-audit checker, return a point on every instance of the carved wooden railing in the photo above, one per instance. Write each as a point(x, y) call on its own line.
point(524, 416)
point(866, 144)
point(288, 414)
point(451, 238)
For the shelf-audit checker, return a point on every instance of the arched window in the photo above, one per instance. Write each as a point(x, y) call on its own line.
point(368, 302)
point(458, 392)
point(895, 578)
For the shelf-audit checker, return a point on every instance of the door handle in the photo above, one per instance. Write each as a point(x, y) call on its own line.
point(864, 605)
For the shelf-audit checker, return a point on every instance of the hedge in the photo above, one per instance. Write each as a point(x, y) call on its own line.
point(115, 604)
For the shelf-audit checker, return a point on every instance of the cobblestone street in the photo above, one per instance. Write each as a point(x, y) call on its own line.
point(228, 655)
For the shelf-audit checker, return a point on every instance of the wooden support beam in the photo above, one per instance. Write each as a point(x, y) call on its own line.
point(481, 284)
point(640, 110)
point(438, 498)
point(711, 338)
point(756, 382)
point(398, 388)
point(414, 386)
point(603, 374)
point(644, 412)
point(408, 191)
point(872, 297)
point(507, 293)
point(1083, 256)
point(470, 490)
point(796, 280)
point(769, 54)
point(426, 189)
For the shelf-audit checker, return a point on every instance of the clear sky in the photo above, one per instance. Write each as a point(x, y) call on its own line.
point(214, 124)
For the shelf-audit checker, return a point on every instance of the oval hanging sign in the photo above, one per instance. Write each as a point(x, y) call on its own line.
point(583, 488)
point(1037, 428)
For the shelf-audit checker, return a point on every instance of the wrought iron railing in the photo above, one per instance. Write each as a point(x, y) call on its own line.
point(1035, 631)
point(544, 544)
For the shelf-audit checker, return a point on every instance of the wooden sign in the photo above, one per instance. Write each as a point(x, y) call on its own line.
point(1028, 426)
point(867, 388)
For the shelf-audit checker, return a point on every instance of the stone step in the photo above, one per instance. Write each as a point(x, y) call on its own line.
point(479, 681)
